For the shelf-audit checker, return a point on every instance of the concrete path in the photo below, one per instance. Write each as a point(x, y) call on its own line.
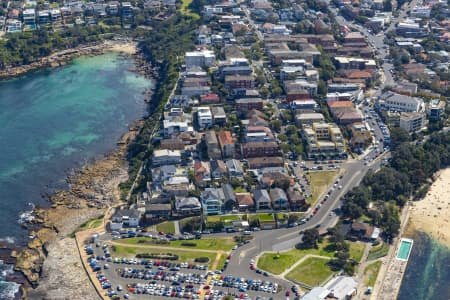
point(176, 224)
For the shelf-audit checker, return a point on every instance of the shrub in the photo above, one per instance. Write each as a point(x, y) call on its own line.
point(167, 256)
point(189, 244)
point(202, 259)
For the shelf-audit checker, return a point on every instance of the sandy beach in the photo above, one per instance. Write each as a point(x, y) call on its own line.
point(432, 214)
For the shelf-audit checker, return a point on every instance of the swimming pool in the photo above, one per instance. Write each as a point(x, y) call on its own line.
point(404, 249)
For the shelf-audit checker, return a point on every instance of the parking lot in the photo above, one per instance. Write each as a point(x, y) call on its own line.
point(132, 278)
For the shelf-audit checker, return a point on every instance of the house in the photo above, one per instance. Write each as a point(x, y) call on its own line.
point(203, 58)
point(262, 199)
point(166, 157)
point(219, 116)
point(276, 178)
point(159, 175)
point(157, 210)
point(202, 172)
point(309, 118)
point(172, 144)
point(296, 198)
point(354, 37)
point(212, 201)
point(122, 218)
point(218, 169)
point(265, 162)
point(209, 98)
point(181, 190)
point(204, 117)
point(278, 198)
point(234, 168)
point(245, 201)
point(226, 143)
point(306, 105)
point(260, 149)
point(188, 205)
point(229, 196)
point(259, 134)
point(239, 83)
point(247, 104)
point(212, 145)
point(360, 231)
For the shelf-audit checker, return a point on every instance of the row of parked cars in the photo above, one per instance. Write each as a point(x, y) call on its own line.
point(243, 285)
point(159, 264)
point(177, 278)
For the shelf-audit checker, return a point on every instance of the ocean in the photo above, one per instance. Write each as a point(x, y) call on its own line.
point(55, 120)
point(427, 275)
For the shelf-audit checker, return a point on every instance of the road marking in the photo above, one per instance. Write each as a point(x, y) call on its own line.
point(287, 235)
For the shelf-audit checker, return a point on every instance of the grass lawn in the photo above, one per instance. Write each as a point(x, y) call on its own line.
point(276, 264)
point(378, 251)
point(225, 244)
point(184, 256)
point(166, 227)
point(222, 260)
point(224, 218)
point(265, 217)
point(371, 273)
point(94, 223)
point(313, 271)
point(319, 181)
point(184, 8)
point(282, 217)
point(356, 250)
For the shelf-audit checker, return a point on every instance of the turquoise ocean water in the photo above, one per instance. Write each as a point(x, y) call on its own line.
point(52, 121)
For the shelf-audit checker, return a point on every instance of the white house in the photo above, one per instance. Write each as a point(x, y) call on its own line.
point(204, 117)
point(166, 157)
point(212, 200)
point(123, 218)
point(199, 58)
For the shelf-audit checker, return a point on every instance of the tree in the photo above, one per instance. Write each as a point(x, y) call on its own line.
point(387, 5)
point(292, 218)
point(322, 88)
point(310, 238)
point(276, 125)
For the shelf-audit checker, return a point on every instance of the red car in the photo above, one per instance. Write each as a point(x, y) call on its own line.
point(288, 293)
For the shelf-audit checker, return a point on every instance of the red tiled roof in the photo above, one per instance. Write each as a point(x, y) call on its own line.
point(225, 138)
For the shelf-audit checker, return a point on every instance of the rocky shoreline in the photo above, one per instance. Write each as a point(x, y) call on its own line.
point(50, 264)
point(61, 58)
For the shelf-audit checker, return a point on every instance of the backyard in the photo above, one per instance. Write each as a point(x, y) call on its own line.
point(319, 181)
point(312, 271)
